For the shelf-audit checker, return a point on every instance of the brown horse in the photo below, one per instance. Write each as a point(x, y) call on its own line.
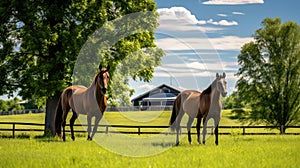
point(199, 105)
point(89, 101)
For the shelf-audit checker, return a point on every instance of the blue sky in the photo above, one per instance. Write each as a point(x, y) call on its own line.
point(203, 37)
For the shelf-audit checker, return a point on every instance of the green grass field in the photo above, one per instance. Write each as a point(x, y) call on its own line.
point(241, 151)
point(113, 150)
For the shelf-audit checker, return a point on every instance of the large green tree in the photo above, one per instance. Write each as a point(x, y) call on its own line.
point(270, 73)
point(40, 42)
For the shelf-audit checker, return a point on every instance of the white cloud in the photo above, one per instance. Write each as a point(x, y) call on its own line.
point(190, 73)
point(222, 22)
point(217, 43)
point(196, 43)
point(229, 42)
point(222, 15)
point(177, 13)
point(196, 66)
point(184, 74)
point(232, 2)
point(238, 13)
point(181, 19)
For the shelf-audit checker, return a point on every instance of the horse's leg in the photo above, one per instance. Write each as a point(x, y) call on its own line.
point(89, 122)
point(178, 121)
point(217, 132)
point(97, 120)
point(189, 124)
point(205, 120)
point(198, 129)
point(64, 117)
point(72, 120)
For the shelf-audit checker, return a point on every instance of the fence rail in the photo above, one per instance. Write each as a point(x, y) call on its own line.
point(223, 130)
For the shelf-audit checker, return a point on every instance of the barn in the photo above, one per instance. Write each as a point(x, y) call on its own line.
point(163, 95)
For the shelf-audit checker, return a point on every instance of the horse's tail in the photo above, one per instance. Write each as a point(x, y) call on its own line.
point(174, 114)
point(58, 117)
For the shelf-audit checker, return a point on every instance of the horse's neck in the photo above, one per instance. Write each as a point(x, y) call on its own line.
point(91, 89)
point(94, 90)
point(215, 96)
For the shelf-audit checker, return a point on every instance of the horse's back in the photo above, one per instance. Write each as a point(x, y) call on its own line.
point(190, 102)
point(74, 95)
point(77, 89)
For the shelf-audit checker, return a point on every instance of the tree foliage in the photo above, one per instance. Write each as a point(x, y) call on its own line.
point(270, 73)
point(234, 101)
point(10, 105)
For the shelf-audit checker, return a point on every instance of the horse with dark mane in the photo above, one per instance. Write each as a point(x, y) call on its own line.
point(205, 105)
point(90, 101)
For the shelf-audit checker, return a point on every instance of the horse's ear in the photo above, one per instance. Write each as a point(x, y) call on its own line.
point(100, 67)
point(224, 75)
point(108, 67)
point(217, 75)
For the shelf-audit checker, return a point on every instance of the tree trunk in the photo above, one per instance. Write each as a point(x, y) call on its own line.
point(50, 114)
point(282, 129)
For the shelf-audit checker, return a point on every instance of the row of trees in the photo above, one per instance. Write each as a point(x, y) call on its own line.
point(10, 105)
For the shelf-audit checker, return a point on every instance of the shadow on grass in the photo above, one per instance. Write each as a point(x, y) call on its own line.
point(21, 136)
point(163, 145)
point(47, 138)
point(51, 138)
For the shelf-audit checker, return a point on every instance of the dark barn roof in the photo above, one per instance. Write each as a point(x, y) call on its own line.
point(163, 93)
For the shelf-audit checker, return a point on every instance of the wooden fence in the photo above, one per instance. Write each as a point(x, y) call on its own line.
point(131, 129)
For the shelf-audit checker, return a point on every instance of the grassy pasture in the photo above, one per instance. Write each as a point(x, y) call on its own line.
point(234, 150)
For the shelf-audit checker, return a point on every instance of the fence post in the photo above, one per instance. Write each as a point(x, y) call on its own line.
point(139, 130)
point(244, 130)
point(282, 129)
point(13, 130)
point(106, 129)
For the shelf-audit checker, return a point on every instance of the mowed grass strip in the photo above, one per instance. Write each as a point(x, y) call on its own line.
point(233, 151)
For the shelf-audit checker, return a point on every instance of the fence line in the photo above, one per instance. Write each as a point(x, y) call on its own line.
point(140, 129)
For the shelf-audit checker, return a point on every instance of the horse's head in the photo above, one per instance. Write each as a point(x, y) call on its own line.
point(221, 84)
point(102, 79)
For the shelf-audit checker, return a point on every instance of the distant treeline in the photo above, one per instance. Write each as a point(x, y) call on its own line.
point(27, 111)
point(16, 105)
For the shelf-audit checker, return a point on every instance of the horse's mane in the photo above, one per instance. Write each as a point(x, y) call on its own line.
point(95, 78)
point(97, 75)
point(207, 90)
